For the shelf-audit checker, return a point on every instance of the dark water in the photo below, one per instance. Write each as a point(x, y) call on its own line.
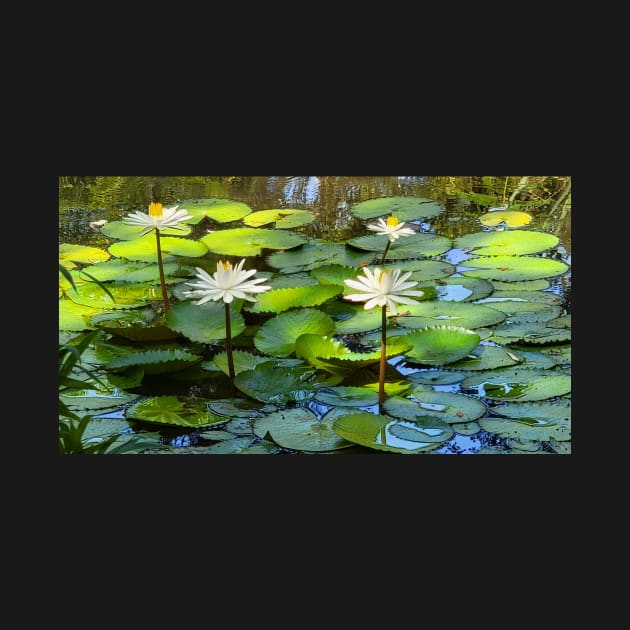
point(85, 199)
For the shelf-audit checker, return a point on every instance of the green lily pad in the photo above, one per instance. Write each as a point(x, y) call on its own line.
point(124, 296)
point(463, 314)
point(487, 357)
point(531, 359)
point(459, 289)
point(524, 285)
point(447, 406)
point(383, 433)
point(529, 446)
point(316, 253)
point(507, 242)
point(144, 249)
point(236, 407)
point(242, 361)
point(124, 232)
point(278, 300)
point(361, 320)
point(284, 218)
point(562, 448)
point(277, 336)
point(466, 428)
point(513, 218)
point(439, 345)
point(547, 298)
point(219, 210)
point(173, 410)
point(250, 241)
point(560, 354)
point(242, 446)
point(272, 384)
point(104, 428)
point(540, 429)
point(436, 377)
point(206, 322)
point(520, 385)
point(300, 429)
point(93, 399)
point(543, 409)
point(530, 333)
point(137, 325)
point(403, 208)
point(347, 396)
point(134, 272)
point(155, 361)
point(417, 246)
point(514, 268)
point(76, 317)
point(70, 254)
point(334, 274)
point(283, 281)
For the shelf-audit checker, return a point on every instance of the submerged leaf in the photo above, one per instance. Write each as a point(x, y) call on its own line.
point(173, 410)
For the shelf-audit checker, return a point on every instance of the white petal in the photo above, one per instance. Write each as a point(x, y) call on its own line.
point(379, 299)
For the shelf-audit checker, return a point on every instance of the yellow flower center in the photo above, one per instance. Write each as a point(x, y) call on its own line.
point(381, 273)
point(392, 221)
point(155, 209)
point(225, 265)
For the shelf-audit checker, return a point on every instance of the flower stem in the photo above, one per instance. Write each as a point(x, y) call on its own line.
point(167, 304)
point(228, 342)
point(381, 375)
point(385, 252)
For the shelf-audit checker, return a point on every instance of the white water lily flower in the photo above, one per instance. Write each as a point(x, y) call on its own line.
point(392, 228)
point(158, 218)
point(382, 288)
point(225, 284)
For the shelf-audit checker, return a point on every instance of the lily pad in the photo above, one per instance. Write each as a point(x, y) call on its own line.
point(507, 242)
point(347, 396)
point(242, 446)
point(383, 433)
point(447, 406)
point(157, 361)
point(278, 300)
point(316, 253)
point(93, 399)
point(283, 281)
point(520, 385)
point(459, 289)
point(463, 314)
point(543, 409)
point(417, 246)
point(301, 430)
point(277, 336)
point(70, 254)
point(277, 385)
point(137, 325)
point(242, 361)
point(283, 218)
point(403, 208)
point(466, 428)
point(144, 249)
point(76, 317)
point(512, 218)
point(540, 429)
point(439, 345)
point(514, 268)
point(334, 274)
point(135, 272)
point(524, 285)
point(436, 377)
point(206, 322)
point(124, 296)
point(124, 232)
point(530, 333)
point(173, 410)
point(235, 407)
point(250, 241)
point(219, 210)
point(487, 357)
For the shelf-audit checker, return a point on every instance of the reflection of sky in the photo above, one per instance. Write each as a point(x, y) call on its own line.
point(308, 194)
point(453, 293)
point(393, 440)
point(456, 255)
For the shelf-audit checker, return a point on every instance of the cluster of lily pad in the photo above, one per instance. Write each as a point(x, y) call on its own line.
point(480, 345)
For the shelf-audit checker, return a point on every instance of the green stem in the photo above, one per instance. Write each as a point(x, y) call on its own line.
point(385, 252)
point(228, 342)
point(167, 304)
point(381, 375)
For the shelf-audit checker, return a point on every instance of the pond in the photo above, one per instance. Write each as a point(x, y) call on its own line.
point(476, 360)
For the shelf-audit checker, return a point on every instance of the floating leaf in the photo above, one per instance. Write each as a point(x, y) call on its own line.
point(124, 232)
point(70, 254)
point(540, 429)
point(144, 249)
point(530, 333)
point(466, 428)
point(300, 429)
point(447, 406)
point(204, 323)
point(487, 357)
point(283, 281)
point(268, 383)
point(172, 410)
point(282, 218)
point(277, 336)
point(347, 396)
point(417, 246)
point(137, 325)
point(525, 285)
point(544, 409)
point(124, 296)
point(436, 377)
point(403, 208)
point(384, 433)
point(514, 268)
point(235, 407)
point(120, 271)
point(512, 218)
point(434, 313)
point(520, 385)
point(242, 446)
point(156, 361)
point(507, 242)
point(219, 210)
point(278, 300)
point(92, 399)
point(334, 274)
point(439, 345)
point(250, 241)
point(316, 253)
point(242, 361)
point(76, 317)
